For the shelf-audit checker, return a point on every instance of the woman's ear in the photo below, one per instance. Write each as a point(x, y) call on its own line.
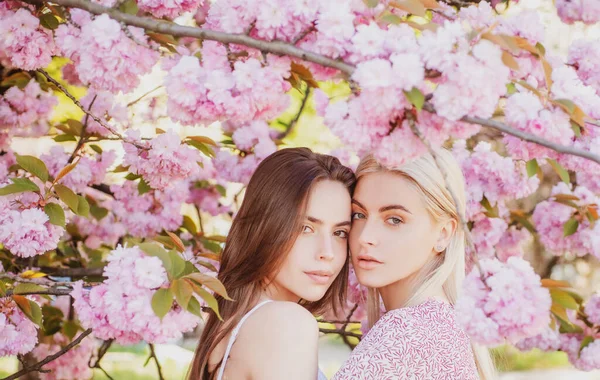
point(447, 230)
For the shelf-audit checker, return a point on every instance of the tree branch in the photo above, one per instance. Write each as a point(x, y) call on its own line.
point(72, 272)
point(283, 48)
point(38, 366)
point(78, 104)
point(293, 122)
point(342, 332)
point(153, 355)
point(165, 27)
point(37, 281)
point(48, 292)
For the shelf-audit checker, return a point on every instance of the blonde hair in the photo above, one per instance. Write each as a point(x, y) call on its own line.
point(446, 269)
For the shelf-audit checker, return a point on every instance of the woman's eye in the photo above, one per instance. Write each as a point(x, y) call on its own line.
point(394, 221)
point(341, 233)
point(358, 215)
point(307, 229)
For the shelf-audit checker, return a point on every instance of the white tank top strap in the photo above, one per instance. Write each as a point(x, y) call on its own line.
point(233, 336)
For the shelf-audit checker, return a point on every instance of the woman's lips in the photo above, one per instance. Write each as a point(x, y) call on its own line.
point(320, 277)
point(367, 262)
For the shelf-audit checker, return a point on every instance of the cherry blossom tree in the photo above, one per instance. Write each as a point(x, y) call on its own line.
point(103, 234)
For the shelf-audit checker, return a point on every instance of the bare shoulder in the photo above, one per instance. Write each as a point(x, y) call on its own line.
point(282, 320)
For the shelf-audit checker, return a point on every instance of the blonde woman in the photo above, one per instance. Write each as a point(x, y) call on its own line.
point(408, 248)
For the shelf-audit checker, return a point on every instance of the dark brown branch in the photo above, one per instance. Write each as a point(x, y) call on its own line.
point(82, 138)
point(153, 355)
point(294, 121)
point(101, 352)
point(72, 272)
point(48, 292)
point(78, 104)
point(39, 365)
point(275, 47)
point(341, 332)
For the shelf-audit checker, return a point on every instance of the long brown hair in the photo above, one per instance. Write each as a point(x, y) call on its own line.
point(263, 232)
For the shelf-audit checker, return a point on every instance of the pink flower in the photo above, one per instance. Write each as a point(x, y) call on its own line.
point(592, 309)
point(89, 171)
point(547, 340)
point(486, 234)
point(103, 55)
point(120, 308)
point(25, 112)
point(514, 307)
point(585, 55)
point(169, 9)
point(18, 334)
point(70, 366)
point(570, 11)
point(28, 232)
point(24, 41)
point(165, 161)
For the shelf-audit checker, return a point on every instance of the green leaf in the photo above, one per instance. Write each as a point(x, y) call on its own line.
point(371, 3)
point(177, 264)
point(132, 177)
point(65, 137)
point(70, 329)
point(34, 166)
point(36, 313)
point(27, 288)
point(130, 7)
point(2, 289)
point(55, 213)
point(96, 148)
point(568, 104)
point(162, 300)
point(19, 79)
point(576, 128)
point(75, 126)
point(143, 186)
point(49, 21)
point(183, 292)
point(222, 191)
point(207, 265)
point(189, 225)
point(541, 48)
point(570, 227)
point(194, 307)
point(83, 207)
point(210, 300)
point(562, 172)
point(210, 282)
point(416, 97)
point(208, 151)
point(155, 250)
point(563, 298)
point(511, 88)
point(189, 268)
point(53, 319)
point(19, 185)
point(532, 167)
point(586, 342)
point(98, 212)
point(67, 196)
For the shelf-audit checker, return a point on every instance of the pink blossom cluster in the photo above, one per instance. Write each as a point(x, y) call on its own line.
point(26, 232)
point(25, 112)
point(89, 170)
point(103, 105)
point(164, 161)
point(490, 175)
point(584, 55)
point(548, 340)
point(120, 308)
point(566, 84)
point(512, 243)
point(169, 8)
point(511, 305)
point(19, 334)
point(73, 365)
point(234, 168)
point(207, 200)
point(103, 55)
point(255, 136)
point(549, 218)
point(201, 92)
point(145, 215)
point(105, 231)
point(586, 359)
point(486, 234)
point(592, 309)
point(570, 11)
point(23, 40)
point(525, 112)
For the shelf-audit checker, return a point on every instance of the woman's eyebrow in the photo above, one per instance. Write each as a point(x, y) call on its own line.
point(318, 221)
point(384, 208)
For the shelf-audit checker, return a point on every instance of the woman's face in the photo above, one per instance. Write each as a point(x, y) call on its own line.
point(393, 235)
point(321, 249)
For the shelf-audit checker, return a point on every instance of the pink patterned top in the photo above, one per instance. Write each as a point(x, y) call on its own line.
point(416, 342)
